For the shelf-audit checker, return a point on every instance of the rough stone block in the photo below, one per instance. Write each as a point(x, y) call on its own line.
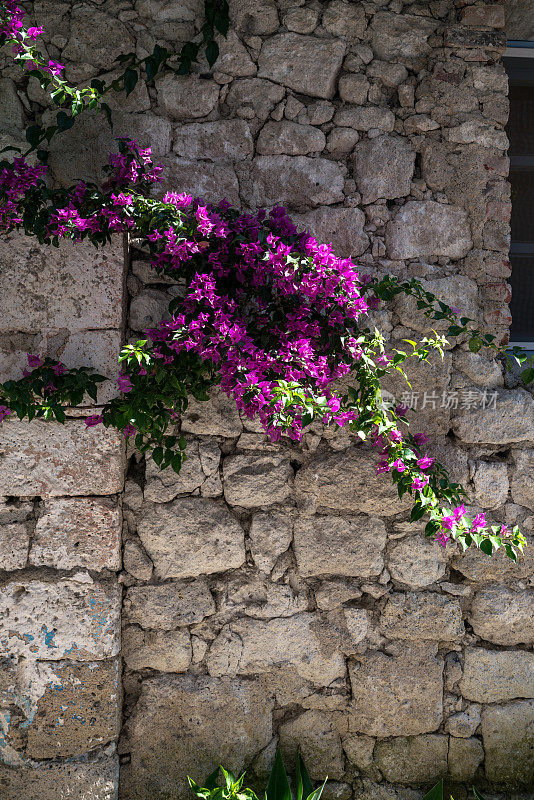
point(96, 778)
point(270, 536)
point(400, 36)
point(305, 64)
point(499, 567)
point(503, 616)
point(465, 756)
point(78, 532)
point(191, 536)
point(186, 97)
point(163, 732)
point(199, 475)
point(295, 181)
point(217, 416)
point(47, 459)
point(221, 141)
point(210, 182)
point(508, 738)
point(165, 651)
point(253, 480)
point(351, 546)
point(487, 16)
point(509, 420)
point(425, 229)
point(523, 478)
point(254, 95)
point(96, 38)
point(344, 19)
point(259, 598)
point(456, 291)
point(14, 545)
point(491, 484)
point(289, 138)
point(383, 167)
point(168, 606)
point(416, 562)
point(315, 736)
point(54, 621)
point(253, 18)
point(368, 790)
point(491, 676)
point(78, 712)
point(398, 695)
point(340, 227)
point(365, 118)
point(413, 760)
point(12, 117)
point(419, 616)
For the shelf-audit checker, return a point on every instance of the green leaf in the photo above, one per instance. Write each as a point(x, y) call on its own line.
point(64, 122)
point(107, 111)
point(211, 781)
point(131, 76)
point(486, 547)
point(474, 345)
point(316, 795)
point(527, 376)
point(212, 52)
point(304, 784)
point(436, 793)
point(478, 795)
point(278, 786)
point(33, 135)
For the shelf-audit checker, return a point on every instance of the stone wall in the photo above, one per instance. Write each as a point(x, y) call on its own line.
point(275, 593)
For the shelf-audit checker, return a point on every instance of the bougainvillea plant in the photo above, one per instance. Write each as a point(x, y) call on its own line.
point(265, 311)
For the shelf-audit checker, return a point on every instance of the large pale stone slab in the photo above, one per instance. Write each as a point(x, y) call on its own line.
point(422, 615)
point(503, 616)
point(383, 167)
point(211, 182)
point(344, 19)
point(184, 97)
point(296, 181)
point(508, 737)
point(351, 546)
point(284, 137)
point(96, 38)
point(523, 479)
point(78, 532)
point(493, 676)
point(191, 536)
point(73, 287)
point(48, 459)
point(168, 606)
point(165, 651)
point(303, 643)
point(400, 36)
point(163, 733)
point(78, 712)
point(96, 778)
point(507, 420)
point(314, 735)
point(217, 416)
point(54, 621)
point(347, 481)
point(417, 562)
point(340, 227)
point(413, 760)
point(424, 229)
point(220, 141)
point(256, 480)
point(270, 536)
point(305, 64)
point(397, 695)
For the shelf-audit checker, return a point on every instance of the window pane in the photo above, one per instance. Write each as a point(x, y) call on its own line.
point(522, 205)
point(520, 126)
point(522, 305)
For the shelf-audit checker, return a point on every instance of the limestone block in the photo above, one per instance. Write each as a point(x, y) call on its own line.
point(503, 616)
point(367, 790)
point(290, 138)
point(183, 97)
point(296, 181)
point(508, 738)
point(303, 643)
point(14, 545)
point(191, 536)
point(508, 420)
point(168, 606)
point(365, 118)
point(383, 167)
point(221, 141)
point(12, 115)
point(314, 735)
point(259, 598)
point(163, 732)
point(66, 619)
point(136, 561)
point(74, 287)
point(359, 751)
point(165, 651)
point(199, 474)
point(305, 64)
point(413, 760)
point(252, 480)
point(464, 724)
point(397, 695)
point(523, 478)
point(421, 615)
point(416, 562)
point(49, 459)
point(96, 778)
point(491, 484)
point(234, 59)
point(253, 18)
point(492, 676)
point(347, 481)
point(344, 19)
point(351, 546)
point(465, 756)
point(270, 536)
point(478, 369)
point(340, 227)
point(254, 94)
point(487, 16)
point(423, 229)
point(497, 568)
point(491, 79)
point(389, 74)
point(457, 291)
point(79, 711)
point(148, 308)
point(400, 36)
point(217, 416)
point(357, 621)
point(96, 38)
point(353, 88)
point(333, 593)
point(301, 20)
point(78, 532)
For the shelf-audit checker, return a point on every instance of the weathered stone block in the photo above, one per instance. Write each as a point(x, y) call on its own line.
point(163, 732)
point(199, 474)
point(413, 760)
point(315, 736)
point(191, 536)
point(383, 167)
point(416, 562)
point(365, 118)
point(508, 737)
point(523, 478)
point(211, 182)
point(79, 711)
point(464, 724)
point(255, 95)
point(424, 615)
point(47, 459)
point(347, 481)
point(81, 532)
point(259, 598)
point(491, 484)
point(400, 36)
point(217, 416)
point(253, 18)
point(224, 140)
point(353, 89)
point(303, 643)
point(499, 567)
point(305, 64)
point(186, 96)
point(296, 181)
point(165, 651)
point(351, 546)
point(487, 16)
point(96, 778)
point(344, 19)
point(368, 790)
point(253, 480)
point(66, 619)
point(423, 229)
point(12, 117)
point(508, 420)
point(270, 536)
point(503, 616)
point(96, 38)
point(492, 676)
point(277, 138)
point(340, 227)
point(168, 606)
point(14, 545)
point(465, 756)
point(397, 695)
point(457, 291)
